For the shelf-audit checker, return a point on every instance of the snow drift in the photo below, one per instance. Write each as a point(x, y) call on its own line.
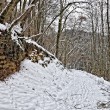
point(53, 88)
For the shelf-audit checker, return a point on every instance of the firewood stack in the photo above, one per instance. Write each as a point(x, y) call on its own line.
point(10, 57)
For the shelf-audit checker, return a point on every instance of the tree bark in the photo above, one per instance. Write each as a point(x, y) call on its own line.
point(59, 28)
point(108, 27)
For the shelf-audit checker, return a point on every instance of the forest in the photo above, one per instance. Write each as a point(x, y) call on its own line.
point(54, 54)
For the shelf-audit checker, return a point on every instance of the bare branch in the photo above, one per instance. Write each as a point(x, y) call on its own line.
point(69, 4)
point(8, 10)
point(21, 18)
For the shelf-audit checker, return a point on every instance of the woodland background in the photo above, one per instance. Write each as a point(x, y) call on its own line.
point(76, 32)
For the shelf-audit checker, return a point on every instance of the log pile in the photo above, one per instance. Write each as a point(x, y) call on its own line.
point(36, 56)
point(10, 56)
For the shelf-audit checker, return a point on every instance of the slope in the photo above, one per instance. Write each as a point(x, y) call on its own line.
point(53, 88)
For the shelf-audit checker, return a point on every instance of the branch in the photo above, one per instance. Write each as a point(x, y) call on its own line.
point(67, 18)
point(35, 17)
point(8, 10)
point(21, 18)
point(34, 36)
point(69, 4)
point(34, 2)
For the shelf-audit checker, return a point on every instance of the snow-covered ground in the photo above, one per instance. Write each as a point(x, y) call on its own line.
point(53, 88)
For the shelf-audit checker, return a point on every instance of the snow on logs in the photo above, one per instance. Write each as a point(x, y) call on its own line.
point(11, 53)
point(10, 56)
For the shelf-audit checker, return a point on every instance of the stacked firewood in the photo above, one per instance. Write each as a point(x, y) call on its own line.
point(10, 57)
point(36, 56)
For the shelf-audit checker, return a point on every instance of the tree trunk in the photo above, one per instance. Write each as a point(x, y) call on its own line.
point(59, 29)
point(108, 27)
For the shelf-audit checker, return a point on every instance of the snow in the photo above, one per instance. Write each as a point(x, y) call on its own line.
point(2, 27)
point(53, 88)
point(16, 29)
point(40, 47)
